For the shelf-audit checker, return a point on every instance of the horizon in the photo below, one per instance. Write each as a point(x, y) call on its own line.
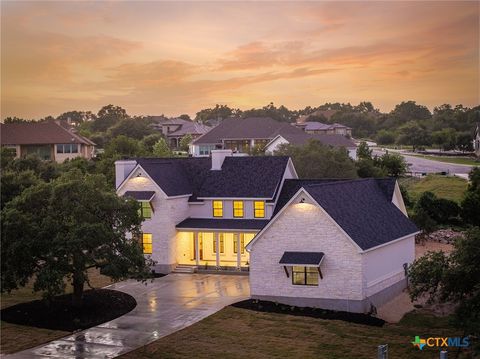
point(155, 58)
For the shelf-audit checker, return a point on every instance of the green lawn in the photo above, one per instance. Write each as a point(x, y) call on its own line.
point(450, 159)
point(241, 333)
point(447, 187)
point(14, 337)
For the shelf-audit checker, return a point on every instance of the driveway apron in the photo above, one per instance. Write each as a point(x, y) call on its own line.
point(165, 306)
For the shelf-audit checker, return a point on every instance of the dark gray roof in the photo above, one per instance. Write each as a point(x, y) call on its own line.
point(299, 139)
point(362, 208)
point(240, 177)
point(302, 258)
point(230, 224)
point(240, 128)
point(140, 195)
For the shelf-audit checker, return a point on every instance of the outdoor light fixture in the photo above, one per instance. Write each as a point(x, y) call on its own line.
point(139, 174)
point(302, 200)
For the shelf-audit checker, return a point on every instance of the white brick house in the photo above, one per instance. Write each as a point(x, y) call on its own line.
point(339, 244)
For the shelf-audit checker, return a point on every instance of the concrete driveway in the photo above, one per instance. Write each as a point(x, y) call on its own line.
point(168, 304)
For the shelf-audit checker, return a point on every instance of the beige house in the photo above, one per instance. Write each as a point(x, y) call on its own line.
point(48, 140)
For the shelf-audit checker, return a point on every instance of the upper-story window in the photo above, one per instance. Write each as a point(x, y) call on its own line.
point(238, 209)
point(217, 208)
point(259, 209)
point(145, 210)
point(67, 148)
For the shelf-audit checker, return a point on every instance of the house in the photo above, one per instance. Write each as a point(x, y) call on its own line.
point(300, 139)
point(338, 244)
point(322, 128)
point(176, 128)
point(48, 140)
point(476, 141)
point(245, 135)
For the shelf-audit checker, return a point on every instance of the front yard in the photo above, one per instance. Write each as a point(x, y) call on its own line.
point(448, 187)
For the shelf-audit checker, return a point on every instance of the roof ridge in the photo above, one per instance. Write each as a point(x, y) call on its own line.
point(340, 182)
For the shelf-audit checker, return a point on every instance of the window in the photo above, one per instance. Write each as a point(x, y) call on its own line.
point(217, 208)
point(259, 209)
point(67, 148)
point(147, 243)
point(242, 243)
point(221, 240)
point(238, 209)
point(304, 275)
point(145, 210)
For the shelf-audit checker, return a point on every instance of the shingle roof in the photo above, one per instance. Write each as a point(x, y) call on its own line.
point(40, 133)
point(299, 139)
point(230, 224)
point(140, 195)
point(305, 258)
point(313, 125)
point(190, 128)
point(240, 177)
point(362, 208)
point(239, 128)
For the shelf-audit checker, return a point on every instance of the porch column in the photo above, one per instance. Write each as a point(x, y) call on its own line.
point(197, 248)
point(217, 254)
point(239, 252)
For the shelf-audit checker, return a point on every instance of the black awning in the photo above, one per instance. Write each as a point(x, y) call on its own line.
point(221, 224)
point(140, 195)
point(302, 258)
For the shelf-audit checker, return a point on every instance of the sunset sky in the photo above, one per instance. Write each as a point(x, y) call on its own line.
point(174, 58)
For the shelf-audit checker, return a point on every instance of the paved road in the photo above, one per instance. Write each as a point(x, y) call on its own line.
point(419, 164)
point(163, 307)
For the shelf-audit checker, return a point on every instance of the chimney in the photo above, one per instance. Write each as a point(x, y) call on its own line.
point(218, 156)
point(122, 170)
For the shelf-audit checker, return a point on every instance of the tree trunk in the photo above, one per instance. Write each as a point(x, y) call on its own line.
point(78, 282)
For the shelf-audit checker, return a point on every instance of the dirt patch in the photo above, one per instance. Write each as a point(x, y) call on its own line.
point(422, 248)
point(99, 306)
point(271, 307)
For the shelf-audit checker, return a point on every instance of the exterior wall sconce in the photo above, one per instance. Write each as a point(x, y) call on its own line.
point(139, 174)
point(302, 200)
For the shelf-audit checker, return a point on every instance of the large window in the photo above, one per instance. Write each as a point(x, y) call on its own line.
point(147, 243)
point(145, 210)
point(217, 208)
point(259, 209)
point(238, 209)
point(221, 241)
point(304, 275)
point(67, 148)
point(242, 243)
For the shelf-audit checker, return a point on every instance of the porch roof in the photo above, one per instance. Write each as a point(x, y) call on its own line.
point(222, 224)
point(302, 258)
point(140, 195)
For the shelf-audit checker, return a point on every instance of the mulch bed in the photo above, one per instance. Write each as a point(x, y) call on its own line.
point(271, 307)
point(99, 306)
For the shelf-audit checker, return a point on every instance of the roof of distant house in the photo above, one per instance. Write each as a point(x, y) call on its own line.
point(319, 126)
point(363, 208)
point(299, 139)
point(245, 128)
point(190, 128)
point(325, 113)
point(240, 177)
point(39, 133)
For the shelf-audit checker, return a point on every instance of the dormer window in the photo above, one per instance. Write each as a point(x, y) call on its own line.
point(217, 208)
point(259, 209)
point(238, 209)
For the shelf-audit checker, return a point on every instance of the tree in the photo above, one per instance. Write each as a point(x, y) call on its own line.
point(123, 146)
point(440, 210)
point(185, 142)
point(315, 160)
point(218, 113)
point(56, 231)
point(185, 117)
point(366, 169)
point(394, 164)
point(132, 127)
point(16, 120)
point(14, 183)
point(464, 141)
point(454, 278)
point(107, 117)
point(161, 149)
point(413, 134)
point(408, 111)
point(470, 206)
point(446, 139)
point(76, 117)
point(149, 141)
point(385, 137)
point(364, 152)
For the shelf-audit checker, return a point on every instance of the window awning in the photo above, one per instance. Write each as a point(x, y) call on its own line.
point(307, 259)
point(146, 196)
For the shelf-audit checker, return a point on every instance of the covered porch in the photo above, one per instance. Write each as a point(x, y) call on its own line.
point(212, 246)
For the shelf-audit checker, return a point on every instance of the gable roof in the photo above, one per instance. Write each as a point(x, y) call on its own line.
point(240, 128)
point(300, 139)
point(240, 177)
point(189, 127)
point(39, 133)
point(363, 208)
point(313, 126)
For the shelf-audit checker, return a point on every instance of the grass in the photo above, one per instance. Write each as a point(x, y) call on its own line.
point(15, 337)
point(242, 333)
point(450, 159)
point(447, 187)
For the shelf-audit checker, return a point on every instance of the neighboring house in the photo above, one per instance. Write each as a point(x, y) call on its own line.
point(300, 139)
point(326, 129)
point(176, 128)
point(48, 140)
point(338, 244)
point(476, 141)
